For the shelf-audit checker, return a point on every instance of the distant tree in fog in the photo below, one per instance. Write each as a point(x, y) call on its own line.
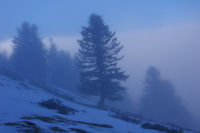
point(28, 58)
point(160, 101)
point(3, 60)
point(97, 60)
point(61, 69)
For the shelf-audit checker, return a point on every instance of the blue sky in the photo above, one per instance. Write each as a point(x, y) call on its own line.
point(66, 16)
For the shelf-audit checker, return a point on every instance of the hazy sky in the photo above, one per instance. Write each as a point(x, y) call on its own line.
point(163, 33)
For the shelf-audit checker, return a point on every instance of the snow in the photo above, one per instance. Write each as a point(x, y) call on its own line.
point(20, 98)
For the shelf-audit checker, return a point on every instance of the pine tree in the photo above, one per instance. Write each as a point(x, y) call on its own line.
point(3, 60)
point(61, 68)
point(28, 58)
point(160, 102)
point(97, 61)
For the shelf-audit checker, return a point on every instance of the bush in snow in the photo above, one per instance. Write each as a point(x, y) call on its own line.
point(56, 104)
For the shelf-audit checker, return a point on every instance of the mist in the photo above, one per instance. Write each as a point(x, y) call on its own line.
point(161, 34)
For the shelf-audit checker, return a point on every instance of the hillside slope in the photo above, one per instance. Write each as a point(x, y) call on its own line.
point(26, 108)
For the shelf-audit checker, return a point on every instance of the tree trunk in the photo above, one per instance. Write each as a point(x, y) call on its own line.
point(101, 102)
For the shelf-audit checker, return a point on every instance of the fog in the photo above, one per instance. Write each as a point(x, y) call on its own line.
point(165, 35)
point(174, 50)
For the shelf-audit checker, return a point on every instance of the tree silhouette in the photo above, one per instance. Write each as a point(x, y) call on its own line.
point(61, 69)
point(28, 58)
point(160, 102)
point(3, 60)
point(97, 60)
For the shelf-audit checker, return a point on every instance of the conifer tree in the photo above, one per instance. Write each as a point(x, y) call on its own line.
point(61, 68)
point(160, 102)
point(28, 58)
point(98, 58)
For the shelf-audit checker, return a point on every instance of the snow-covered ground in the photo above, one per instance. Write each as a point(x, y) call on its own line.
point(20, 112)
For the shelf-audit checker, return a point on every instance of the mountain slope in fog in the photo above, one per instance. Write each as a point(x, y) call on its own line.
point(27, 108)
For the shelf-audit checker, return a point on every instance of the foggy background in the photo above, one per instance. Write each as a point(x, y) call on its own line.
point(165, 34)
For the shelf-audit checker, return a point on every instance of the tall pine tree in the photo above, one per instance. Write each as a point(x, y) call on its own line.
point(160, 102)
point(28, 58)
point(97, 60)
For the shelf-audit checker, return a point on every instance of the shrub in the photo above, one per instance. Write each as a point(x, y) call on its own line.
point(160, 128)
point(56, 104)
